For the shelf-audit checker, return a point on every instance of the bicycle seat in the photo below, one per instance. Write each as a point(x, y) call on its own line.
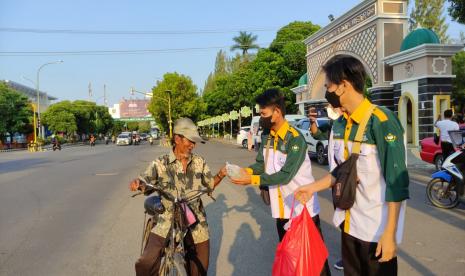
point(153, 205)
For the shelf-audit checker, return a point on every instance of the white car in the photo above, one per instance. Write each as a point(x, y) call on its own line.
point(242, 136)
point(123, 139)
point(317, 148)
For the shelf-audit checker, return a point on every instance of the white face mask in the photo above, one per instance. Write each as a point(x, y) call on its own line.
point(332, 114)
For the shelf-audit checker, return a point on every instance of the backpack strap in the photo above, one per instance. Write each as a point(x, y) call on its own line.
point(361, 130)
point(267, 151)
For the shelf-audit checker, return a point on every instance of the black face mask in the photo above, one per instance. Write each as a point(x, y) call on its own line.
point(265, 122)
point(333, 99)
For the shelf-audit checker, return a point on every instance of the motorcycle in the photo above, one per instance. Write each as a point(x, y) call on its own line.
point(56, 146)
point(446, 188)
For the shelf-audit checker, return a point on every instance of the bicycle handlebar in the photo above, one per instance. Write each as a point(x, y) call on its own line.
point(171, 198)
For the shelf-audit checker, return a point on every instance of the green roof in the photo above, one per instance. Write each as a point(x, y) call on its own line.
point(419, 37)
point(303, 80)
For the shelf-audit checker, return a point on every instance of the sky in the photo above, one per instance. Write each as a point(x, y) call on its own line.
point(187, 25)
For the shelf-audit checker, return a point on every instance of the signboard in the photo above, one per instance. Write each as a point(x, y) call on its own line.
point(149, 119)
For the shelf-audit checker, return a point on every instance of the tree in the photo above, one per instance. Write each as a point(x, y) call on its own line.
point(458, 88)
point(295, 31)
point(430, 14)
point(457, 10)
point(279, 66)
point(118, 126)
point(144, 127)
point(15, 112)
point(185, 102)
point(59, 117)
point(78, 116)
point(244, 42)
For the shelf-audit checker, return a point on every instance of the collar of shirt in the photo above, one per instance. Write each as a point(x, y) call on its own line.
point(282, 131)
point(359, 112)
point(172, 157)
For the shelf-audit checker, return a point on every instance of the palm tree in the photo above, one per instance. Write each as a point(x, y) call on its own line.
point(244, 41)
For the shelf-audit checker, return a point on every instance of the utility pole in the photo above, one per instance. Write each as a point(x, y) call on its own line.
point(105, 94)
point(90, 91)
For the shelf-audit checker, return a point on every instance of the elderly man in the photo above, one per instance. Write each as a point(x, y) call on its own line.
point(184, 172)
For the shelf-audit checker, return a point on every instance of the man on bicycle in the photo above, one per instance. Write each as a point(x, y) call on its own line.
point(179, 173)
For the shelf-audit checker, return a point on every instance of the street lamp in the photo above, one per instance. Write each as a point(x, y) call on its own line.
point(170, 122)
point(38, 96)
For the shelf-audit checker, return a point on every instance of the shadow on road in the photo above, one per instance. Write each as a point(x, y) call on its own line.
point(251, 255)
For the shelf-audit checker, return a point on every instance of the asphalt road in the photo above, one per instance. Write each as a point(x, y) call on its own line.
point(70, 213)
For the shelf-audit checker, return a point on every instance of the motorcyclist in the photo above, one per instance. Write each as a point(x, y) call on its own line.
point(179, 171)
point(55, 142)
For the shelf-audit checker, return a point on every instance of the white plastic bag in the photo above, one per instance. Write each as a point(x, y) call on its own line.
point(234, 171)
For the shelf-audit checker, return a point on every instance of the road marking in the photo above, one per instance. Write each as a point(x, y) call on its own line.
point(105, 174)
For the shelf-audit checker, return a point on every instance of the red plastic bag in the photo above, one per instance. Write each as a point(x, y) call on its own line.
point(302, 250)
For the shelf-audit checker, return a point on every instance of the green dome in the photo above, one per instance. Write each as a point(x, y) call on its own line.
point(419, 37)
point(303, 80)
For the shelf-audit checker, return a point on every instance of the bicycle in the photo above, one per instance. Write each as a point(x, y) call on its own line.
point(173, 256)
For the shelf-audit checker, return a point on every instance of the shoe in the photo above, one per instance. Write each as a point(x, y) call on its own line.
point(338, 265)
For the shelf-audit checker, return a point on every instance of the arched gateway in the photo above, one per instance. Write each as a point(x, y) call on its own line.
point(410, 73)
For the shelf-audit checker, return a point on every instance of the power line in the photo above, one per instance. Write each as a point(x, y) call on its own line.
point(125, 52)
point(109, 52)
point(131, 32)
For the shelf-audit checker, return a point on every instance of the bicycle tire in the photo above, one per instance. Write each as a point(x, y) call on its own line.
point(173, 266)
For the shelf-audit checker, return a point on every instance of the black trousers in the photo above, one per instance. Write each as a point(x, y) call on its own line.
point(359, 258)
point(447, 149)
point(281, 232)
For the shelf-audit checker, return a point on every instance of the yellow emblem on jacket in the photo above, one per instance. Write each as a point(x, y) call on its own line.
point(390, 138)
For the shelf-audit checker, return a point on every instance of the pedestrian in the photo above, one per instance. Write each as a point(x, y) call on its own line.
point(282, 164)
point(92, 140)
point(373, 225)
point(444, 127)
point(185, 172)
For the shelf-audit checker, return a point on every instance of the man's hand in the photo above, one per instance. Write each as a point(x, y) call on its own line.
point(136, 185)
point(245, 179)
point(386, 247)
point(312, 115)
point(304, 193)
point(223, 172)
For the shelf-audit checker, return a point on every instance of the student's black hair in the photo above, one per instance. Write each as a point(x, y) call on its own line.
point(272, 97)
point(448, 113)
point(347, 68)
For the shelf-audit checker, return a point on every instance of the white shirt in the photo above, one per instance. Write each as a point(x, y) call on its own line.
point(282, 196)
point(444, 127)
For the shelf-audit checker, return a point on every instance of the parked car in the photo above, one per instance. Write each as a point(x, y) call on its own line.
point(432, 153)
point(317, 148)
point(242, 136)
point(123, 139)
point(144, 136)
point(291, 118)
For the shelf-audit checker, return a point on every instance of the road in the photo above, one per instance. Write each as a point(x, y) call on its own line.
point(70, 213)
